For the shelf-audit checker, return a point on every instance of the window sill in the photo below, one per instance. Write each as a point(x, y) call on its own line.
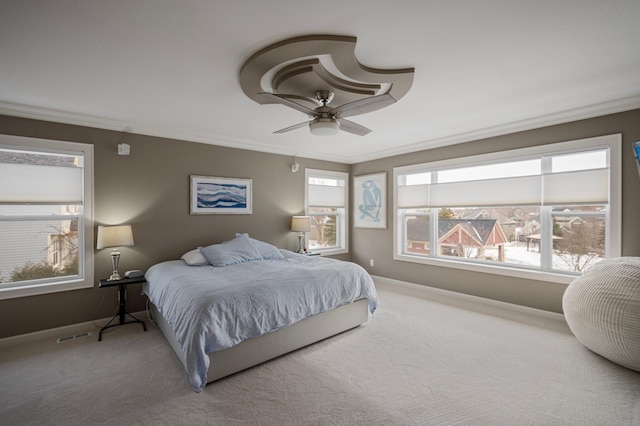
point(559, 278)
point(46, 288)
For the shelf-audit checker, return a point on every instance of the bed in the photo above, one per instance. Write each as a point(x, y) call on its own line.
point(230, 306)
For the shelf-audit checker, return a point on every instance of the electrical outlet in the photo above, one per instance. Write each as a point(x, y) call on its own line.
point(371, 262)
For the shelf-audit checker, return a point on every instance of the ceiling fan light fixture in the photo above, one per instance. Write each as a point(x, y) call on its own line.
point(324, 127)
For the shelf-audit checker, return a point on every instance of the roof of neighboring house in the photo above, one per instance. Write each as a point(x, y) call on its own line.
point(483, 214)
point(418, 229)
point(481, 230)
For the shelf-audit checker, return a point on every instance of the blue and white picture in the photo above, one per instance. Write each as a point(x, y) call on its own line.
point(220, 195)
point(370, 201)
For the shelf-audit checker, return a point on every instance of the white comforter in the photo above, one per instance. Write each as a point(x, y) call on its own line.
point(211, 308)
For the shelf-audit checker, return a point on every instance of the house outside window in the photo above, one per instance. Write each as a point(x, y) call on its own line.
point(46, 238)
point(326, 201)
point(547, 212)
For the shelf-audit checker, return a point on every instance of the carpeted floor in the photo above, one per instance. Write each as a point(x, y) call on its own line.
point(418, 361)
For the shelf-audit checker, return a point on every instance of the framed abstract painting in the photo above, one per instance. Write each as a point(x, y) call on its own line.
point(370, 201)
point(216, 195)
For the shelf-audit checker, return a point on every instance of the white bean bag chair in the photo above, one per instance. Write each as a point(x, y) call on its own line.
point(602, 308)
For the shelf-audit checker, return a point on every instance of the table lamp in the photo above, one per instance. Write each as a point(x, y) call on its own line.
point(301, 224)
point(114, 236)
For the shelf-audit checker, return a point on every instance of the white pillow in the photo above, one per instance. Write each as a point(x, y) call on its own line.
point(194, 258)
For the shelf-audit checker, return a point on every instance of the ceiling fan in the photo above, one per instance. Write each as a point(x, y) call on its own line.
point(328, 120)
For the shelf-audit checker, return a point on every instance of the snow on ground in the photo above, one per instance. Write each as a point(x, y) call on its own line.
point(517, 254)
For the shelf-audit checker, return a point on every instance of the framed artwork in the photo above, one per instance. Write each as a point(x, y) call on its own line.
point(370, 201)
point(216, 195)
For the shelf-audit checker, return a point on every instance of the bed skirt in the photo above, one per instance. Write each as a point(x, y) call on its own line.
point(255, 351)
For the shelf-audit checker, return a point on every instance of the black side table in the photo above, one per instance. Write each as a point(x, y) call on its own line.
point(122, 296)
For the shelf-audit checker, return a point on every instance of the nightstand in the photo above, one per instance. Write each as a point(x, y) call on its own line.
point(122, 296)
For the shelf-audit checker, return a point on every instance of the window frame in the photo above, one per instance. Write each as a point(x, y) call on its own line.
point(613, 213)
point(85, 230)
point(342, 217)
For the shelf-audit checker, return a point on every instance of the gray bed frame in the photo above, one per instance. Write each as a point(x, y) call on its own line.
point(255, 351)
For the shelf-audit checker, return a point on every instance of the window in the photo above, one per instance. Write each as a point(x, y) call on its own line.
point(546, 212)
point(326, 200)
point(46, 237)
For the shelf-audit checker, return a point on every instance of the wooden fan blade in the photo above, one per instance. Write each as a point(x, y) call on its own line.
point(351, 127)
point(294, 127)
point(363, 106)
point(287, 102)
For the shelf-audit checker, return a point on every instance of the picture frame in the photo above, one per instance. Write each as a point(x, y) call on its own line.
point(370, 201)
point(220, 195)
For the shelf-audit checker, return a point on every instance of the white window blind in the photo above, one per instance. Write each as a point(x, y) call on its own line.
point(581, 186)
point(28, 183)
point(326, 196)
point(411, 196)
point(325, 191)
point(506, 191)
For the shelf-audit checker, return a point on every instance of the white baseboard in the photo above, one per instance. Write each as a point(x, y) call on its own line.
point(60, 332)
point(424, 291)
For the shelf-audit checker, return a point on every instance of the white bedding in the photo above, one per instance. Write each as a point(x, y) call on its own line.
point(214, 308)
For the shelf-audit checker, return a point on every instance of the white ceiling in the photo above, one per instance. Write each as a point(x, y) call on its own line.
point(170, 68)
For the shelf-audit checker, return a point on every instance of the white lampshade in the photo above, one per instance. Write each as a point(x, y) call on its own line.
point(301, 223)
point(114, 236)
point(324, 127)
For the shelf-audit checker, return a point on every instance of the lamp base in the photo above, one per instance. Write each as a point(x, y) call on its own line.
point(115, 259)
point(301, 243)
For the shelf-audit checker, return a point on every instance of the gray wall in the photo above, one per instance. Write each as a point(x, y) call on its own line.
point(378, 244)
point(150, 190)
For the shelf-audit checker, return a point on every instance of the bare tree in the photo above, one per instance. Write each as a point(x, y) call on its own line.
point(581, 246)
point(63, 241)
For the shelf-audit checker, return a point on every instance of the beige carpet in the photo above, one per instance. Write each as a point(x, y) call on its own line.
point(436, 361)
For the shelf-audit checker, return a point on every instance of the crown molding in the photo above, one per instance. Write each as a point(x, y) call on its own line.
point(561, 117)
point(65, 117)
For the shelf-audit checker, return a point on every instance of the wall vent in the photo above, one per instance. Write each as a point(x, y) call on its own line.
point(77, 336)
